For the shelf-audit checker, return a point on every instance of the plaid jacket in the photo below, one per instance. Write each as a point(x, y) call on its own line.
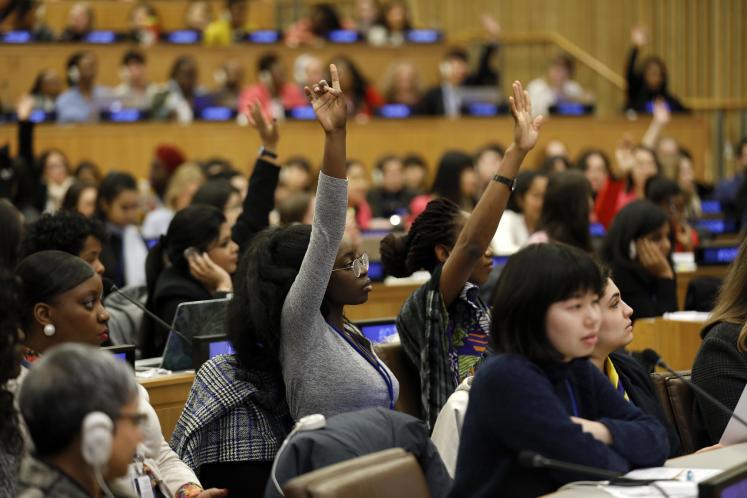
point(231, 415)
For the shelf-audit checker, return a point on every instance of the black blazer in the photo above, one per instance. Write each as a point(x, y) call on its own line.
point(641, 391)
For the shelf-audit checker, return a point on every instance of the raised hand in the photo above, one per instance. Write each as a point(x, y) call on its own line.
point(24, 107)
point(661, 112)
point(329, 103)
point(268, 129)
point(638, 36)
point(526, 128)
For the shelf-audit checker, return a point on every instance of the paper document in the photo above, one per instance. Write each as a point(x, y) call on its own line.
point(735, 432)
point(685, 485)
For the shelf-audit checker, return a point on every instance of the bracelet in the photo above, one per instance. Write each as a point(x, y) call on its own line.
point(268, 153)
point(509, 182)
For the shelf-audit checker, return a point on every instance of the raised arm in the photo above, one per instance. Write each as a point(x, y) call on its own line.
point(260, 197)
point(331, 111)
point(660, 119)
point(477, 233)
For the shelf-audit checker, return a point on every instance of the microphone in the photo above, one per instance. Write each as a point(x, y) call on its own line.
point(110, 286)
point(652, 357)
point(533, 460)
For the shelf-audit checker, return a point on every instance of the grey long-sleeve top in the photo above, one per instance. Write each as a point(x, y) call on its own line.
point(322, 372)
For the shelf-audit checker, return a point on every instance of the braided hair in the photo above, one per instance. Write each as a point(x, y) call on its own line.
point(402, 255)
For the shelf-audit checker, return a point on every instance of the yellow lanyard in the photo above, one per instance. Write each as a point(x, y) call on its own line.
point(609, 369)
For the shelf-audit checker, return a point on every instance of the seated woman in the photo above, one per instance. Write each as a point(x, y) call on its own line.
point(444, 325)
point(521, 219)
point(637, 250)
point(565, 211)
point(222, 195)
point(82, 410)
point(61, 303)
point(455, 180)
point(81, 198)
point(539, 393)
point(720, 367)
point(625, 373)
point(193, 262)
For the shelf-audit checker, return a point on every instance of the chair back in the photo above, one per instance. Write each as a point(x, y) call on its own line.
point(396, 360)
point(682, 402)
point(659, 381)
point(386, 474)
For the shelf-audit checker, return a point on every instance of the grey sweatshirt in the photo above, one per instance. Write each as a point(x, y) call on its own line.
point(322, 372)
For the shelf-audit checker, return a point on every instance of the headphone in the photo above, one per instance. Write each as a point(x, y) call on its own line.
point(96, 439)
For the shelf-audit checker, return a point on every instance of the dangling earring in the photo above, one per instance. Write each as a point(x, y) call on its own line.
point(49, 330)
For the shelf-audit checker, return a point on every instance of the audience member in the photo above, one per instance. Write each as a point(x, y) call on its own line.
point(135, 91)
point(231, 27)
point(307, 69)
point(55, 177)
point(416, 173)
point(193, 262)
point(297, 208)
point(230, 79)
point(222, 195)
point(29, 17)
point(566, 211)
point(522, 217)
point(487, 161)
point(728, 190)
point(273, 92)
point(444, 324)
point(362, 98)
point(359, 185)
point(47, 87)
point(80, 21)
point(668, 154)
point(12, 222)
point(81, 409)
point(323, 19)
point(625, 373)
point(402, 84)
point(595, 165)
point(68, 232)
point(180, 189)
point(719, 367)
point(637, 249)
point(80, 198)
point(393, 26)
point(554, 148)
point(392, 197)
point(640, 164)
point(88, 172)
point(295, 176)
point(546, 321)
point(650, 82)
point(308, 274)
point(181, 96)
point(84, 99)
point(557, 86)
point(367, 18)
point(10, 366)
point(455, 180)
point(555, 164)
point(145, 25)
point(124, 251)
point(198, 15)
point(685, 178)
point(166, 159)
point(667, 194)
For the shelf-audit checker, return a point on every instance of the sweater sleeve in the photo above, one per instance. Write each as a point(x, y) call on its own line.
point(260, 199)
point(637, 437)
point(633, 79)
point(524, 418)
point(306, 293)
point(721, 370)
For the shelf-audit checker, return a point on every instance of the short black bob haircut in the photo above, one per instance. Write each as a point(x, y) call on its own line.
point(532, 280)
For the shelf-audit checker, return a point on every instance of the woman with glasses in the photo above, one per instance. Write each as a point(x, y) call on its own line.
point(293, 284)
point(61, 304)
point(444, 324)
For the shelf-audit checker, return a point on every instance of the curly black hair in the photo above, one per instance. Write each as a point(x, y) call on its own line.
point(63, 231)
point(9, 360)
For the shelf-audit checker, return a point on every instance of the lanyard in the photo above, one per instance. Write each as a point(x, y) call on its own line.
point(571, 395)
point(374, 363)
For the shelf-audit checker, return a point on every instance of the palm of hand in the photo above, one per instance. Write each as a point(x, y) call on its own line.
point(526, 133)
point(331, 111)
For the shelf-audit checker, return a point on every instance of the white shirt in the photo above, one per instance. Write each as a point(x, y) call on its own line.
point(543, 95)
point(512, 234)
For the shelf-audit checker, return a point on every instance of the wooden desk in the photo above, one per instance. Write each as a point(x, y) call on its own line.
point(168, 394)
point(677, 342)
point(384, 301)
point(130, 147)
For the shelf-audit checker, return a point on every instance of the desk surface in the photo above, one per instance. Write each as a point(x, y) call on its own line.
point(723, 458)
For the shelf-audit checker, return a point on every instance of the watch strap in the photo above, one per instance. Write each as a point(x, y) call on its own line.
point(509, 182)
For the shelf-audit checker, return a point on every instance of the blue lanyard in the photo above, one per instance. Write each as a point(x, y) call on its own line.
point(377, 365)
point(571, 395)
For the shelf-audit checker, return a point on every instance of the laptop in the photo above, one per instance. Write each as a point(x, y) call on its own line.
point(379, 331)
point(205, 347)
point(192, 319)
point(124, 352)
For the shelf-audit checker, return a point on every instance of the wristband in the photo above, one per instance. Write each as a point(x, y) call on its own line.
point(509, 182)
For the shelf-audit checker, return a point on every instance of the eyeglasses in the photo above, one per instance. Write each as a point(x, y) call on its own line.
point(137, 419)
point(359, 265)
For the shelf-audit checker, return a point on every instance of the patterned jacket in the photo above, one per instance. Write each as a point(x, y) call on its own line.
point(232, 415)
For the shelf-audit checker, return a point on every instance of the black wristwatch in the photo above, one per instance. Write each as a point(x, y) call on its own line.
point(509, 182)
point(267, 153)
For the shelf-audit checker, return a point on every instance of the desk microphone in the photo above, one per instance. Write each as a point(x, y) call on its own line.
point(110, 286)
point(652, 358)
point(532, 460)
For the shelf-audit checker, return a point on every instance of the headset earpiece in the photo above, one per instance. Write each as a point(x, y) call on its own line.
point(96, 439)
point(73, 74)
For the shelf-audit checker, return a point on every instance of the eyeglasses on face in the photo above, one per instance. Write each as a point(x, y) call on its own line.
point(358, 266)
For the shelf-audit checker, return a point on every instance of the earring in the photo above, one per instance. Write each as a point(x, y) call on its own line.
point(49, 330)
